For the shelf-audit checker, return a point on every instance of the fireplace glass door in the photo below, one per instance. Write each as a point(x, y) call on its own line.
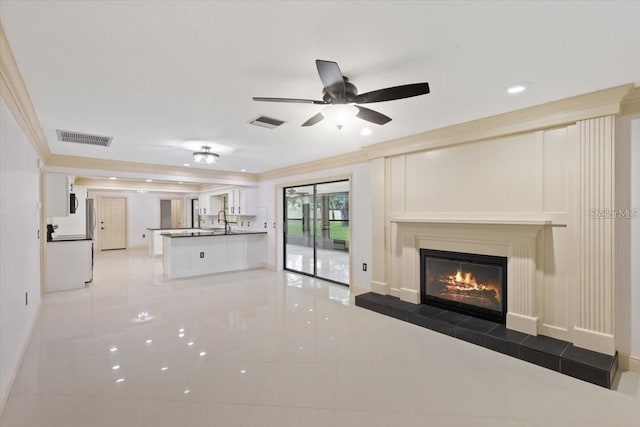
point(469, 283)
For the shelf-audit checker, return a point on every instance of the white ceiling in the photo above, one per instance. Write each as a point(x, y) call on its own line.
point(156, 75)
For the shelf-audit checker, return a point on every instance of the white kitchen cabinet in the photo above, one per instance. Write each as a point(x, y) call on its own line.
point(58, 187)
point(69, 264)
point(242, 201)
point(200, 255)
point(204, 204)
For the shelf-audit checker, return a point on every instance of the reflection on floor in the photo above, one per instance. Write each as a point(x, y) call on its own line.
point(273, 349)
point(331, 264)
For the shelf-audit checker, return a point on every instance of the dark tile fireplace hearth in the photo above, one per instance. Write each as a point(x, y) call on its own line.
point(560, 356)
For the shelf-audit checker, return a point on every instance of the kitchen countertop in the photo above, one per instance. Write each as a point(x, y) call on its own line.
point(176, 228)
point(211, 233)
point(68, 239)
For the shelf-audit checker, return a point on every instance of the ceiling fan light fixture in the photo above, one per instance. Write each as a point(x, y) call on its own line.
point(205, 156)
point(339, 114)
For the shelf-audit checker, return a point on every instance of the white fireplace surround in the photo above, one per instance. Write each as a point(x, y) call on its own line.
point(518, 240)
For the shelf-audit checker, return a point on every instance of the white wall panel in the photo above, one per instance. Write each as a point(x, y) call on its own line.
point(501, 175)
point(557, 165)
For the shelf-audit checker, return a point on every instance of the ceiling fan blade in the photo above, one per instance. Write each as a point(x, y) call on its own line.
point(313, 120)
point(372, 116)
point(293, 100)
point(331, 77)
point(391, 93)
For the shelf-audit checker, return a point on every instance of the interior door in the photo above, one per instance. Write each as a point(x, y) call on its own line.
point(112, 223)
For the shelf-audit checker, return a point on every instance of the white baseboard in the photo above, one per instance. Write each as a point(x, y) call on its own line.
point(410, 295)
point(267, 266)
point(381, 288)
point(629, 363)
point(23, 352)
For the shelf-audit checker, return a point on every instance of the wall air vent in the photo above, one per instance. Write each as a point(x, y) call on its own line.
point(83, 138)
point(266, 122)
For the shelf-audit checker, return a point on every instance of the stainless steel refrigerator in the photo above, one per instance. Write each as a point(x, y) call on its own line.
point(91, 219)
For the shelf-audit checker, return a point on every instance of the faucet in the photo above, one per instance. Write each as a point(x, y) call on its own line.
point(227, 224)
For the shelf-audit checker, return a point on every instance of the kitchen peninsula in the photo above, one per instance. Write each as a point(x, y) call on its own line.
point(198, 253)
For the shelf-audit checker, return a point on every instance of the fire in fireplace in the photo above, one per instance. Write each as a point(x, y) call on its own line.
point(473, 284)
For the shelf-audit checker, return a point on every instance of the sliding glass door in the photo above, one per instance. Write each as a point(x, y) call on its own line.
point(316, 230)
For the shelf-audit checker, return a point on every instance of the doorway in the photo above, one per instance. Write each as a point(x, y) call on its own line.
point(113, 223)
point(316, 230)
point(171, 214)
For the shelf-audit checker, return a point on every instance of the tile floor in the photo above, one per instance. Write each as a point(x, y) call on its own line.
point(263, 348)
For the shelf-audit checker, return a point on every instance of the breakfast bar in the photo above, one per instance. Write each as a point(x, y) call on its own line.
point(199, 253)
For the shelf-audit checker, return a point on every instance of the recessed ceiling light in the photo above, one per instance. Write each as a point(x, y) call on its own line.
point(164, 368)
point(203, 353)
point(190, 343)
point(243, 170)
point(120, 380)
point(365, 132)
point(148, 341)
point(186, 164)
point(148, 180)
point(518, 88)
point(116, 367)
point(180, 182)
point(113, 349)
point(112, 177)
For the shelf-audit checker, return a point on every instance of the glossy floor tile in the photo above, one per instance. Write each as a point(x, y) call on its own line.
point(263, 348)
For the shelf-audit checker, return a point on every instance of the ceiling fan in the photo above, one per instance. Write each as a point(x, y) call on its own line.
point(338, 90)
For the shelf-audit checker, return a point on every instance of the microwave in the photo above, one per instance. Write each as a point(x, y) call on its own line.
point(73, 203)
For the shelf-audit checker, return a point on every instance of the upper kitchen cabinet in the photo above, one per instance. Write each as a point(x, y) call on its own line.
point(204, 204)
point(58, 189)
point(242, 201)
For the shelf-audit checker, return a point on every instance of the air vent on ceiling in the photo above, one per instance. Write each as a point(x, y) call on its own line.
point(266, 122)
point(83, 138)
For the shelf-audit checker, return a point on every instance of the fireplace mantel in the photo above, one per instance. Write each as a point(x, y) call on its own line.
point(471, 219)
point(516, 239)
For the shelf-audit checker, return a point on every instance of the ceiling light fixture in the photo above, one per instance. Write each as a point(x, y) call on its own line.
point(339, 114)
point(518, 88)
point(148, 180)
point(205, 156)
point(112, 177)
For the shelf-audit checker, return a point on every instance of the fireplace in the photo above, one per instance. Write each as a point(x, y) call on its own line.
point(472, 284)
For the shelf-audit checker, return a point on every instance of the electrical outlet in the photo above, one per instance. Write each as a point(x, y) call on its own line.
point(144, 235)
point(201, 254)
point(265, 225)
point(364, 266)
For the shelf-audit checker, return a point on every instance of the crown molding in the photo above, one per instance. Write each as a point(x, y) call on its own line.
point(87, 166)
point(552, 114)
point(342, 160)
point(127, 185)
point(631, 103)
point(13, 91)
